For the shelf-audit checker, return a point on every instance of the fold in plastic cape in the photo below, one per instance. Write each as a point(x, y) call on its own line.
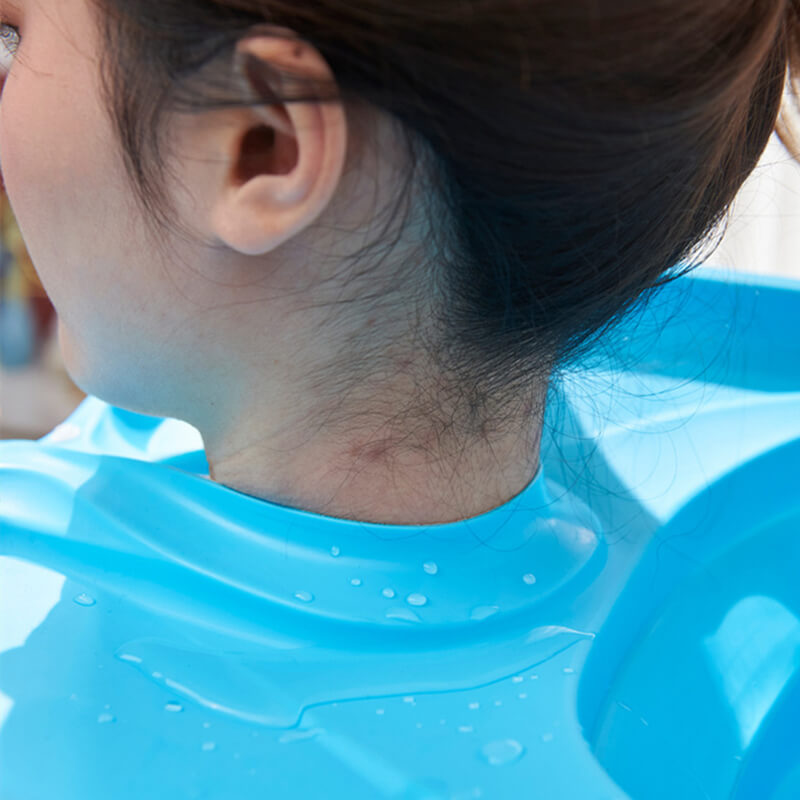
point(626, 627)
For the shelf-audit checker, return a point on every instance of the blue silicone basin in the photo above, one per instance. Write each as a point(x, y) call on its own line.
point(627, 628)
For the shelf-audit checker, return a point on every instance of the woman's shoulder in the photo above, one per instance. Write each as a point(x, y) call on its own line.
point(97, 457)
point(98, 428)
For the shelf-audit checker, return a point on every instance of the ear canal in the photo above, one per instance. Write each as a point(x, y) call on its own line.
point(257, 153)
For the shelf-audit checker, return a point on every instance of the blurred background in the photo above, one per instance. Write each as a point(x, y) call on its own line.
point(36, 394)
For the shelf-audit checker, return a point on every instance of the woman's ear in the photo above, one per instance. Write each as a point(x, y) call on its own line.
point(285, 158)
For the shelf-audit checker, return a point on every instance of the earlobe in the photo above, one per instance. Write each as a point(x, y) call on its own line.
point(288, 157)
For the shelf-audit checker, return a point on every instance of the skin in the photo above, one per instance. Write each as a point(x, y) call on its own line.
point(236, 332)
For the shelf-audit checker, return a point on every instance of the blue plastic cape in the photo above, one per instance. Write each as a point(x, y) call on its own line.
point(626, 627)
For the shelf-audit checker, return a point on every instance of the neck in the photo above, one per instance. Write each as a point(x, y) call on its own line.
point(381, 478)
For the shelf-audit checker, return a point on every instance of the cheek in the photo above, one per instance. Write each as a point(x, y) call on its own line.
point(53, 175)
point(27, 164)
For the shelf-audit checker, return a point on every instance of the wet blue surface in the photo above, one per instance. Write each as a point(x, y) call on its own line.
point(627, 627)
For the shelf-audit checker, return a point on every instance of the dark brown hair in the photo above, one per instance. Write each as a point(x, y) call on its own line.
point(583, 150)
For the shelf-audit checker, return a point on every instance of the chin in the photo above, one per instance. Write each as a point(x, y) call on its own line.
point(73, 365)
point(113, 375)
